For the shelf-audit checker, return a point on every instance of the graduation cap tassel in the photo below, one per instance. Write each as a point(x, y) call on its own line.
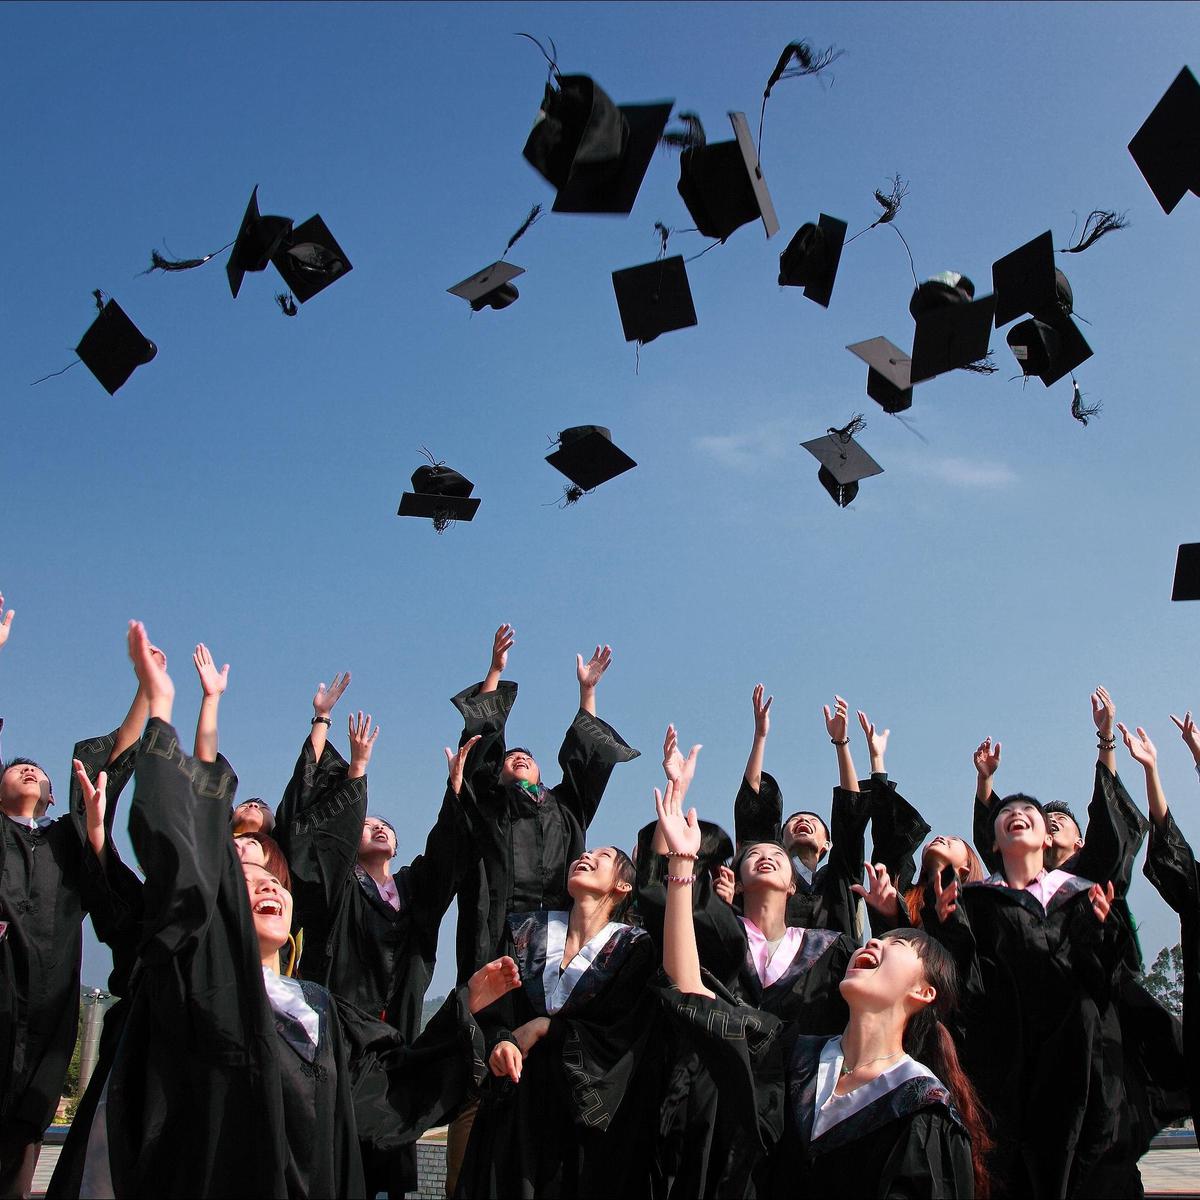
point(1100, 221)
point(663, 235)
point(798, 58)
point(287, 304)
point(856, 424)
point(1080, 411)
point(553, 61)
point(572, 494)
point(534, 213)
point(982, 366)
point(159, 263)
point(54, 374)
point(690, 137)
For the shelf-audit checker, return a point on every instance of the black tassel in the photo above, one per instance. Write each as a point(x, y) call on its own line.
point(158, 263)
point(534, 213)
point(1100, 221)
point(891, 202)
point(807, 62)
point(551, 59)
point(287, 304)
point(689, 137)
point(1080, 411)
point(98, 296)
point(982, 366)
point(856, 424)
point(441, 521)
point(572, 494)
point(663, 234)
point(436, 462)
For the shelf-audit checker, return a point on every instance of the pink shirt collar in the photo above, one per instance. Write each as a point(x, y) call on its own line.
point(1042, 888)
point(770, 967)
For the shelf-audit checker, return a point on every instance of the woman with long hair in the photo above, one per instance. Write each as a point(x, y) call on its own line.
point(881, 1110)
point(891, 904)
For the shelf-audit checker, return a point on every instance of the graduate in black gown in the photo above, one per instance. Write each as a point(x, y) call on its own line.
point(828, 857)
point(566, 1111)
point(881, 1110)
point(52, 874)
point(230, 1079)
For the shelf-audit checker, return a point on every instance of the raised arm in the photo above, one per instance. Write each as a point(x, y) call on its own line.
point(362, 742)
point(485, 707)
point(502, 643)
point(589, 675)
point(1141, 750)
point(837, 726)
point(1104, 714)
point(1170, 862)
point(877, 741)
point(758, 747)
point(6, 620)
point(1187, 728)
point(212, 685)
point(987, 763)
point(323, 705)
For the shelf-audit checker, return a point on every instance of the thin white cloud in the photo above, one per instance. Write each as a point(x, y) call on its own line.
point(966, 472)
point(740, 450)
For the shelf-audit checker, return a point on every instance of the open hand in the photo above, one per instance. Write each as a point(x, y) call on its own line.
point(1139, 746)
point(1187, 727)
point(681, 833)
point(589, 673)
point(987, 758)
point(502, 643)
point(362, 739)
point(6, 620)
point(880, 892)
point(723, 884)
point(877, 740)
point(149, 664)
point(326, 698)
point(679, 770)
point(1104, 712)
point(456, 762)
point(945, 897)
point(212, 681)
point(762, 712)
point(835, 722)
point(95, 804)
point(491, 981)
point(1102, 900)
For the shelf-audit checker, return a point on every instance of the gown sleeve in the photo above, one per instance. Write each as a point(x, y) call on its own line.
point(757, 815)
point(94, 754)
point(590, 750)
point(485, 714)
point(981, 834)
point(1171, 868)
point(931, 1162)
point(897, 831)
point(847, 832)
point(1115, 830)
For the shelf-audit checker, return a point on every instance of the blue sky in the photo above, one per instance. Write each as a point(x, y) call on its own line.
point(241, 489)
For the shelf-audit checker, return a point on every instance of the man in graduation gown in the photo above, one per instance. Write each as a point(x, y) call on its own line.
point(52, 874)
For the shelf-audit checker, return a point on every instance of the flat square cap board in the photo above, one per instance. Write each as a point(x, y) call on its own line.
point(722, 184)
point(889, 377)
point(113, 347)
point(613, 187)
point(310, 259)
point(843, 458)
point(1024, 281)
point(454, 508)
point(587, 457)
point(1167, 147)
point(1187, 573)
point(951, 336)
point(654, 298)
point(482, 283)
point(257, 240)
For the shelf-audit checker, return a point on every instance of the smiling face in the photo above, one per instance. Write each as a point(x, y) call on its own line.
point(25, 790)
point(806, 831)
point(599, 873)
point(271, 908)
point(766, 867)
point(886, 973)
point(1065, 837)
point(1020, 826)
point(378, 838)
point(520, 767)
point(945, 851)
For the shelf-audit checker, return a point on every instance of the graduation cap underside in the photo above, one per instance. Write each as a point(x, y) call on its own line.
point(113, 347)
point(1048, 350)
point(1166, 148)
point(1025, 280)
point(441, 494)
point(310, 259)
point(654, 298)
point(258, 239)
point(889, 377)
point(951, 336)
point(812, 257)
point(1187, 573)
point(588, 457)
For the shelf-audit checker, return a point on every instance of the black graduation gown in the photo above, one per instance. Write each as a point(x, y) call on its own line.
point(909, 1142)
point(378, 958)
point(827, 902)
point(1040, 1035)
point(581, 1121)
point(521, 846)
point(205, 1092)
point(49, 880)
point(897, 831)
point(1171, 868)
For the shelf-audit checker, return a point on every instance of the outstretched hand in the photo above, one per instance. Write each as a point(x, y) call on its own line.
point(590, 673)
point(1102, 900)
point(945, 898)
point(149, 665)
point(880, 892)
point(681, 833)
point(362, 740)
point(877, 740)
point(1104, 712)
point(723, 884)
point(762, 712)
point(456, 762)
point(6, 620)
point(987, 758)
point(1187, 727)
point(1140, 746)
point(212, 681)
point(491, 981)
point(326, 698)
point(679, 770)
point(95, 805)
point(502, 643)
point(835, 722)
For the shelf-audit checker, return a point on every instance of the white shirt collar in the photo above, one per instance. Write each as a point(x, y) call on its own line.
point(31, 822)
point(558, 984)
point(830, 1109)
point(287, 999)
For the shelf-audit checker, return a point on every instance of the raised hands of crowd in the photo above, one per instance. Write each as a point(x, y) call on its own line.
point(987, 763)
point(877, 741)
point(837, 725)
point(589, 675)
point(1104, 716)
point(502, 643)
point(456, 763)
point(150, 666)
point(762, 727)
point(880, 892)
point(1143, 752)
point(1187, 727)
point(95, 806)
point(323, 703)
point(362, 742)
point(212, 684)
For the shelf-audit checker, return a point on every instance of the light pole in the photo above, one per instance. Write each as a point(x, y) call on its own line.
point(93, 1018)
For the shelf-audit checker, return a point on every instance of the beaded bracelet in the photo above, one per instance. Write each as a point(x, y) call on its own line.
point(680, 854)
point(681, 879)
point(321, 721)
point(1111, 744)
point(843, 742)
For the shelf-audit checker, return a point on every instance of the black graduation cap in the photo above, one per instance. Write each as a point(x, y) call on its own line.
point(113, 347)
point(722, 184)
point(596, 153)
point(953, 328)
point(1187, 573)
point(257, 241)
point(1048, 350)
point(812, 257)
point(310, 259)
point(440, 494)
point(1167, 147)
point(654, 298)
point(490, 288)
point(888, 377)
point(587, 457)
point(1026, 281)
point(843, 462)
